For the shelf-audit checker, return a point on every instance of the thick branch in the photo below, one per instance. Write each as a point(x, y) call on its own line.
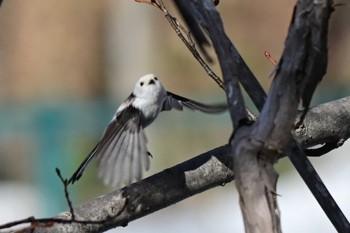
point(203, 172)
point(256, 148)
point(118, 208)
point(328, 122)
point(297, 68)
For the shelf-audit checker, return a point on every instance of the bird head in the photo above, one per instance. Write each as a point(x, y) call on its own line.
point(148, 85)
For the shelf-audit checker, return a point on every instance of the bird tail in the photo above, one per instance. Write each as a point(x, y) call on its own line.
point(79, 172)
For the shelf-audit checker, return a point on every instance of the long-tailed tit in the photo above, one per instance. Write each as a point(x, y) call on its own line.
point(121, 153)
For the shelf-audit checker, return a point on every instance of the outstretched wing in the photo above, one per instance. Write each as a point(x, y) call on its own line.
point(173, 101)
point(121, 153)
point(122, 156)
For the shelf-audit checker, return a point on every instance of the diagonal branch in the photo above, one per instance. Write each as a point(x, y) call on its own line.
point(230, 59)
point(193, 25)
point(318, 189)
point(222, 45)
point(185, 37)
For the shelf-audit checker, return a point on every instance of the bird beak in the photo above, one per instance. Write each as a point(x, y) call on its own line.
point(151, 82)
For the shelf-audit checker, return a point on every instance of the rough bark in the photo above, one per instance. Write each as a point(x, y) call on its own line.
point(257, 147)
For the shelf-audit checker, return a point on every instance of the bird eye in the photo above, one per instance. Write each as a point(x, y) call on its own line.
point(141, 84)
point(155, 78)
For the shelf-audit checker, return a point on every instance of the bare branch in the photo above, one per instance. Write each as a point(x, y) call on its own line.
point(316, 186)
point(295, 68)
point(195, 29)
point(317, 57)
point(237, 64)
point(256, 148)
point(320, 125)
point(222, 46)
point(66, 193)
point(185, 37)
point(118, 208)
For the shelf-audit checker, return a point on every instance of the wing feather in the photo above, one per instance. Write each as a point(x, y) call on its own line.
point(125, 157)
point(108, 170)
point(145, 158)
point(127, 166)
point(137, 164)
point(120, 151)
point(173, 101)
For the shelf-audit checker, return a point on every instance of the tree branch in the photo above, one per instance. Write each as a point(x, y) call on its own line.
point(194, 27)
point(222, 45)
point(296, 68)
point(211, 169)
point(118, 208)
point(316, 186)
point(185, 36)
point(256, 148)
point(229, 54)
point(325, 123)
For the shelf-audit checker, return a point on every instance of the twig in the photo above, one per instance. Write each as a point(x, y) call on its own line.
point(268, 56)
point(150, 2)
point(17, 222)
point(185, 37)
point(194, 27)
point(66, 193)
point(47, 222)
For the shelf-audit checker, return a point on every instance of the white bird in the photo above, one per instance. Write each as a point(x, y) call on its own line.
point(121, 153)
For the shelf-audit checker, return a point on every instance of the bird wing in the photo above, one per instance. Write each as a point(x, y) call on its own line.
point(79, 172)
point(173, 101)
point(121, 153)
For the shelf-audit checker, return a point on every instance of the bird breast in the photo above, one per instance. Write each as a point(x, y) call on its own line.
point(149, 107)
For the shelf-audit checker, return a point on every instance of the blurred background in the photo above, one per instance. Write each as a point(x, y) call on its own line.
point(65, 66)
